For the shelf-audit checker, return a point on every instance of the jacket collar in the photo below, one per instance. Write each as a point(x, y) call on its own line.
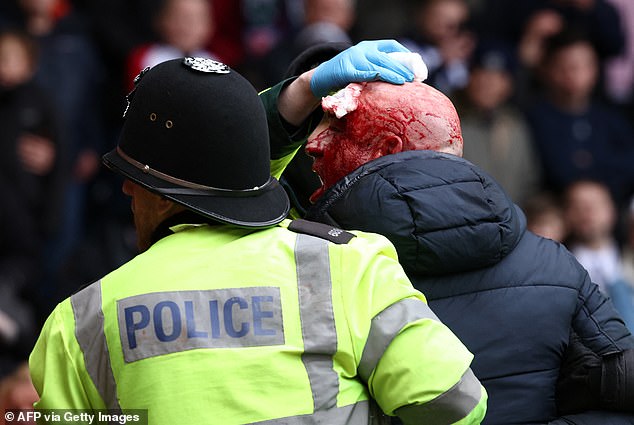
point(442, 213)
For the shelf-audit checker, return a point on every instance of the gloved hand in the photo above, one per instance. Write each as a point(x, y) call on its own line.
point(588, 381)
point(365, 61)
point(579, 383)
point(617, 381)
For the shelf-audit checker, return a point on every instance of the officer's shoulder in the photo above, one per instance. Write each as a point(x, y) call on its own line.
point(85, 287)
point(321, 230)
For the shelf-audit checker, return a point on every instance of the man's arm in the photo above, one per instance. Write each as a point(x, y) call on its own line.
point(597, 369)
point(590, 381)
point(597, 323)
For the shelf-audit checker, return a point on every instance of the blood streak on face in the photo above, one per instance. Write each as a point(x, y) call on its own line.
point(366, 121)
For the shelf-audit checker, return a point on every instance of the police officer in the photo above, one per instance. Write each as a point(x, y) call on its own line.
point(232, 314)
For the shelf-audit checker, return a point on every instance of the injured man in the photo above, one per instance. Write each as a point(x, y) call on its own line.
point(389, 161)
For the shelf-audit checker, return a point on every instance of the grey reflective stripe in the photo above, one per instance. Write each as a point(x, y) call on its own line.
point(449, 407)
point(91, 338)
point(317, 319)
point(354, 414)
point(385, 326)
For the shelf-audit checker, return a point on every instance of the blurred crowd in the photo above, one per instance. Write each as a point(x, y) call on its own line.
point(544, 90)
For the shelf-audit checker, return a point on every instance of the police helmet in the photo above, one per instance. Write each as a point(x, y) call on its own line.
point(195, 132)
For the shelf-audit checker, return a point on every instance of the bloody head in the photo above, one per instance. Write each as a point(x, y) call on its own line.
point(365, 121)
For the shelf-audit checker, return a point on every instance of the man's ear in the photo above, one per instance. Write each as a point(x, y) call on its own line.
point(166, 208)
point(389, 145)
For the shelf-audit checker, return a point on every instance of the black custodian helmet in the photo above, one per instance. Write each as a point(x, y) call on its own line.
point(195, 132)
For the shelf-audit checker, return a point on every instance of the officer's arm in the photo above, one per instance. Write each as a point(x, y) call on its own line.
point(424, 372)
point(429, 368)
point(55, 372)
point(414, 366)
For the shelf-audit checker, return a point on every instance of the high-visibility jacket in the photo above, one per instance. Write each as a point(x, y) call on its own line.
point(222, 325)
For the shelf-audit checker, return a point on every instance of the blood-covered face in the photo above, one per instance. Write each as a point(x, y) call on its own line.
point(365, 121)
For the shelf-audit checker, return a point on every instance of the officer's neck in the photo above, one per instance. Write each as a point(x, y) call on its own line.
point(183, 217)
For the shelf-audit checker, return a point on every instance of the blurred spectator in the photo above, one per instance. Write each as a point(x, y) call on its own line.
point(545, 217)
point(539, 27)
point(498, 137)
point(628, 246)
point(591, 216)
point(19, 255)
point(441, 38)
point(325, 21)
point(227, 39)
point(70, 70)
point(576, 135)
point(248, 31)
point(184, 28)
point(265, 24)
point(30, 136)
point(528, 23)
point(597, 19)
point(17, 392)
point(30, 145)
point(379, 19)
point(118, 26)
point(121, 25)
point(619, 70)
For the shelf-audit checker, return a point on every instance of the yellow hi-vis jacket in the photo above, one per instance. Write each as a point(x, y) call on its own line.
point(222, 325)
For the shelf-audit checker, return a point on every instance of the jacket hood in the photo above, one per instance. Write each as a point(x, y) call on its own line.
point(442, 213)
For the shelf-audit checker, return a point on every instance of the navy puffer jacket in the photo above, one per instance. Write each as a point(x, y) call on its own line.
point(510, 296)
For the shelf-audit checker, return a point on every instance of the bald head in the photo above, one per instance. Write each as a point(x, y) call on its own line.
point(421, 115)
point(365, 121)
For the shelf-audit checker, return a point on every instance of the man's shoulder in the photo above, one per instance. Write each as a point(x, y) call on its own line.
point(547, 262)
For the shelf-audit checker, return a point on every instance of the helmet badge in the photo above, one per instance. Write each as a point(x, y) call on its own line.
point(130, 95)
point(206, 65)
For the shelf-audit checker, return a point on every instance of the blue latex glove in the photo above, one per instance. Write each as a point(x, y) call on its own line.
point(366, 61)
